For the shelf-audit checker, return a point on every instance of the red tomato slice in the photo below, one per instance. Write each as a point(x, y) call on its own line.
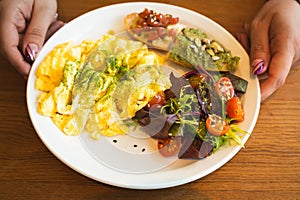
point(158, 100)
point(224, 88)
point(170, 146)
point(234, 109)
point(216, 125)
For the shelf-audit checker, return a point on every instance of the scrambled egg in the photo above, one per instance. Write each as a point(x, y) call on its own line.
point(55, 79)
point(139, 86)
point(98, 84)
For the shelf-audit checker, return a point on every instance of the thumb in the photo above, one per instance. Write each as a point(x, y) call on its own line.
point(34, 38)
point(260, 51)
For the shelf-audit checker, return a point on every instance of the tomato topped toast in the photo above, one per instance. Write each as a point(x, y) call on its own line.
point(155, 29)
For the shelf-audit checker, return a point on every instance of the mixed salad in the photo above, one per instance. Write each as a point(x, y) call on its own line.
point(198, 114)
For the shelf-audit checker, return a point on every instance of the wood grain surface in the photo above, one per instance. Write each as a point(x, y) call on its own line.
point(268, 168)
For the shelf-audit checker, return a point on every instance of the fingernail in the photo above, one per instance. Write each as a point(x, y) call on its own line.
point(31, 52)
point(258, 66)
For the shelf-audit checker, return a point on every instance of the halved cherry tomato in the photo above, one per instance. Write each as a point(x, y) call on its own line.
point(224, 88)
point(170, 146)
point(158, 100)
point(234, 109)
point(216, 125)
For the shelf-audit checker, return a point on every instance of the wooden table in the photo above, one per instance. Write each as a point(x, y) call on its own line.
point(268, 168)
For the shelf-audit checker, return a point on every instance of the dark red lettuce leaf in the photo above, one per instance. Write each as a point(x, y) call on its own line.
point(193, 147)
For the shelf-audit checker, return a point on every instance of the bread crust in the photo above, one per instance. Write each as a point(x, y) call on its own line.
point(130, 21)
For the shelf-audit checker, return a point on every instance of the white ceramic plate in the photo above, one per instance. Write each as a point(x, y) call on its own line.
point(70, 150)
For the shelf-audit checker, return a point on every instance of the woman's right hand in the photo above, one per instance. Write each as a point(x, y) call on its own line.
point(24, 27)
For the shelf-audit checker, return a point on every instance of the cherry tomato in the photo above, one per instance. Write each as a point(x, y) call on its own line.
point(234, 109)
point(216, 125)
point(170, 146)
point(158, 100)
point(224, 88)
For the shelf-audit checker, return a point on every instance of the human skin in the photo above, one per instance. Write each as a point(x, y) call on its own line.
point(24, 27)
point(273, 42)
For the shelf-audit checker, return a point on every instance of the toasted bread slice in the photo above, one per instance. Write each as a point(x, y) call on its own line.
point(179, 60)
point(193, 48)
point(154, 37)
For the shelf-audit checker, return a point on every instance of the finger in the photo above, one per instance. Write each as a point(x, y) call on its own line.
point(10, 48)
point(278, 71)
point(41, 18)
point(16, 59)
point(55, 26)
point(247, 28)
point(260, 51)
point(244, 40)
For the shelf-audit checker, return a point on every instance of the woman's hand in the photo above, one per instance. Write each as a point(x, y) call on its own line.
point(274, 44)
point(24, 27)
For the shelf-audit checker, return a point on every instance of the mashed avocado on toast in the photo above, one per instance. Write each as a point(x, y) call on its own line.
point(193, 47)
